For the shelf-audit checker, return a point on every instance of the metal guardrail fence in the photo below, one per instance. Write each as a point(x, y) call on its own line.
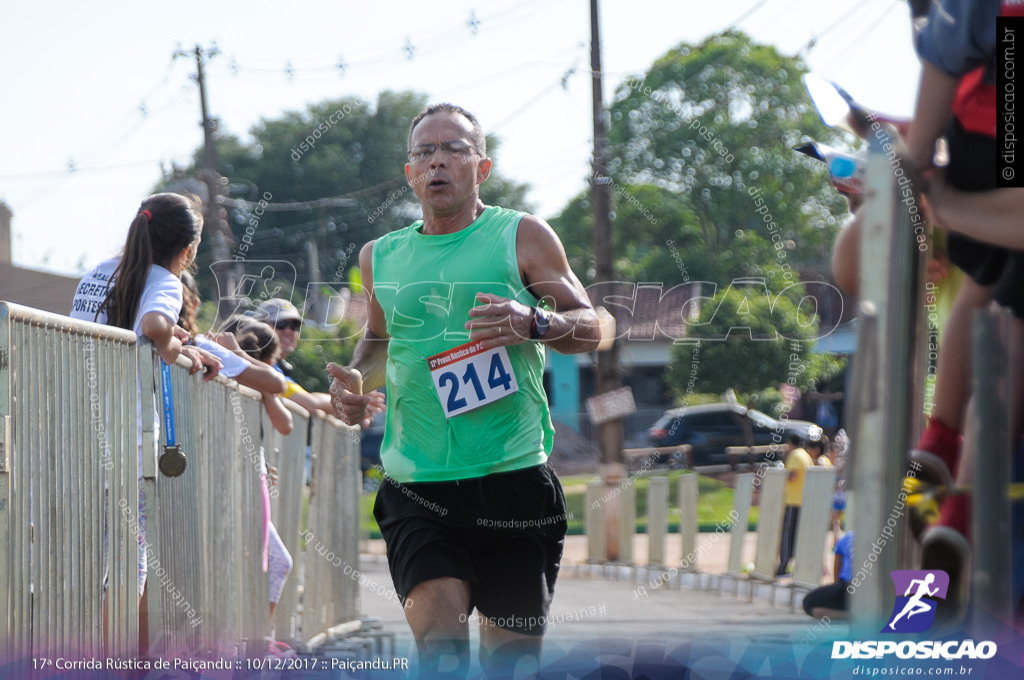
point(332, 553)
point(68, 425)
point(771, 485)
point(884, 409)
point(886, 401)
point(71, 397)
point(813, 527)
point(288, 454)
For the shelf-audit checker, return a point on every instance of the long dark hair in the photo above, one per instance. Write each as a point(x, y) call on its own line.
point(189, 300)
point(173, 222)
point(258, 340)
point(820, 444)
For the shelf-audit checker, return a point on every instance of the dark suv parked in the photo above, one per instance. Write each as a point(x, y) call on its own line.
point(711, 428)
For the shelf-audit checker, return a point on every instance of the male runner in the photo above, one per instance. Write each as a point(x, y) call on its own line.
point(471, 514)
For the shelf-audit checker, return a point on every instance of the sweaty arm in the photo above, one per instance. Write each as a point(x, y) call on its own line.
point(367, 370)
point(544, 269)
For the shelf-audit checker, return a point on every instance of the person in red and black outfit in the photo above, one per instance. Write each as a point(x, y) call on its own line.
point(957, 99)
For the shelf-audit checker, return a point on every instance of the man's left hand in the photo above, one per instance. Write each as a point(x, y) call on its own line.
point(499, 321)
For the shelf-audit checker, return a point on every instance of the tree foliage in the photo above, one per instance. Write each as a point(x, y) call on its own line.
point(691, 140)
point(719, 120)
point(315, 349)
point(749, 340)
point(353, 150)
point(695, 143)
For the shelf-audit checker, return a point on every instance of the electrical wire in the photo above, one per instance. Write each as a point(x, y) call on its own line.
point(745, 15)
point(812, 43)
point(842, 52)
point(392, 57)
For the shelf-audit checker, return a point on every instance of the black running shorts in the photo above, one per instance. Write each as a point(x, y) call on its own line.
point(972, 167)
point(502, 533)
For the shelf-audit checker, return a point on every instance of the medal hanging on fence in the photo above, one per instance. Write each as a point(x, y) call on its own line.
point(172, 461)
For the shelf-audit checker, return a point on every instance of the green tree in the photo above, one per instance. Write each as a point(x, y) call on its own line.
point(657, 237)
point(354, 150)
point(317, 347)
point(695, 142)
point(718, 121)
point(749, 340)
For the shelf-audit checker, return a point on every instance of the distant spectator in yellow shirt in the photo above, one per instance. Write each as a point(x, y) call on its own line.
point(797, 462)
point(820, 452)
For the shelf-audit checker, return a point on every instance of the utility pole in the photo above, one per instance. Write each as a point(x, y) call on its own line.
point(608, 375)
point(215, 215)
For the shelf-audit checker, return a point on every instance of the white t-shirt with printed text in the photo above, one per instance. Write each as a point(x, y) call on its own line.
point(162, 294)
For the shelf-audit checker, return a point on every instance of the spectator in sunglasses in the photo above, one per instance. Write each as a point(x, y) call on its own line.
point(283, 316)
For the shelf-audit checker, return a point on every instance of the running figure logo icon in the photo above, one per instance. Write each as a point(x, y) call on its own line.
point(916, 593)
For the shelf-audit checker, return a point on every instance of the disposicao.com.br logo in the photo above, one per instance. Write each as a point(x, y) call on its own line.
point(914, 611)
point(917, 592)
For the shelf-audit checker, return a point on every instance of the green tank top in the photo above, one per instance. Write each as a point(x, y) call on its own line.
point(426, 285)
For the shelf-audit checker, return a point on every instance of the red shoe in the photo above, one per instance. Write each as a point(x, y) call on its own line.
point(945, 545)
point(938, 454)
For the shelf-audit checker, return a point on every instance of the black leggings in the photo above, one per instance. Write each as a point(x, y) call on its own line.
point(832, 596)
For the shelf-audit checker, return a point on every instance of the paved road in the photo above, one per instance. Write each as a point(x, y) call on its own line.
point(590, 607)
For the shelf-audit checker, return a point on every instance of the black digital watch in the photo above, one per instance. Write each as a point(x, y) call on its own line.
point(540, 324)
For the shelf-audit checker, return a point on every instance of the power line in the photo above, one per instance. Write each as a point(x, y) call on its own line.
point(142, 114)
point(440, 42)
point(77, 170)
point(540, 95)
point(745, 15)
point(812, 43)
point(343, 201)
point(843, 53)
point(783, 12)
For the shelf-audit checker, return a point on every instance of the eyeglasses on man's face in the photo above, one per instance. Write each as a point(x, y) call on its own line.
point(290, 324)
point(456, 148)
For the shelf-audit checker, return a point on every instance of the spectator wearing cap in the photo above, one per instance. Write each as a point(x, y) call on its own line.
point(285, 319)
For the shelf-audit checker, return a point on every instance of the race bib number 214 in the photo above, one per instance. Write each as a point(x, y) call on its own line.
point(468, 377)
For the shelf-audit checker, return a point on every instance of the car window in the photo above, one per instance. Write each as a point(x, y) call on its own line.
point(713, 419)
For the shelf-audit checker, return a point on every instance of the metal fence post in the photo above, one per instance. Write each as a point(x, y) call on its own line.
point(738, 532)
point(992, 594)
point(688, 521)
point(594, 521)
point(67, 430)
point(891, 276)
point(657, 520)
point(769, 523)
point(816, 505)
point(288, 454)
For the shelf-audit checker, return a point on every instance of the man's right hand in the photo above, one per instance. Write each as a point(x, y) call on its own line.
point(350, 404)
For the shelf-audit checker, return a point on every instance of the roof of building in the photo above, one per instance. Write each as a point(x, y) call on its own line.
point(648, 311)
point(38, 289)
